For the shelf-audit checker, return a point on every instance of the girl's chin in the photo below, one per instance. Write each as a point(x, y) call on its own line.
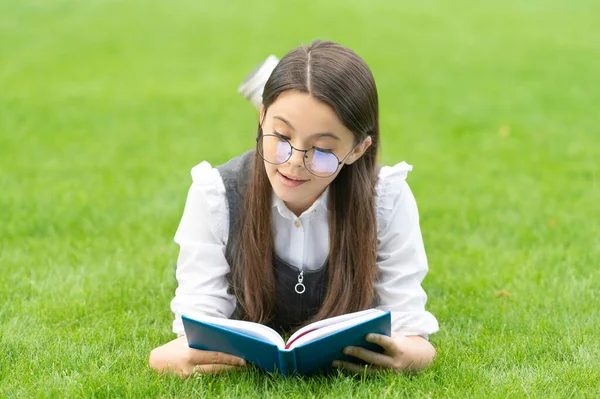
point(287, 194)
point(284, 194)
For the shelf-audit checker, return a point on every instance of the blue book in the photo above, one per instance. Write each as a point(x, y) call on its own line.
point(310, 350)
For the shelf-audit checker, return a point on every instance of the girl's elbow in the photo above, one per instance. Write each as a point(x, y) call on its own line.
point(159, 358)
point(429, 355)
point(424, 356)
point(432, 352)
point(153, 359)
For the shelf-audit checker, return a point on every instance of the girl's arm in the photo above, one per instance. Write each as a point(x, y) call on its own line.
point(401, 259)
point(201, 275)
point(202, 268)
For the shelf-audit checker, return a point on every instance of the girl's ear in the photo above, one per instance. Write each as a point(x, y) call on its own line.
point(359, 150)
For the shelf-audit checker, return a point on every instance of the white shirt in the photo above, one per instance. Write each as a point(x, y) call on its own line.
point(304, 242)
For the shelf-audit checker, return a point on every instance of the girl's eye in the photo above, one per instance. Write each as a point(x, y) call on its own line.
point(281, 136)
point(325, 150)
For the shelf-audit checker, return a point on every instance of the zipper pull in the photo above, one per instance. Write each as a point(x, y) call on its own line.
point(300, 288)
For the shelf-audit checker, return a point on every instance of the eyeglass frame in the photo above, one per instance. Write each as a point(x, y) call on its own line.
point(305, 153)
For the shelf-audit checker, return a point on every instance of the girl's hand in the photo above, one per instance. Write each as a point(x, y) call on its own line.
point(176, 357)
point(401, 354)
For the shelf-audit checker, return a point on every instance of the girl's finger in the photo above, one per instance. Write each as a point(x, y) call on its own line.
point(209, 357)
point(374, 358)
point(387, 343)
point(355, 368)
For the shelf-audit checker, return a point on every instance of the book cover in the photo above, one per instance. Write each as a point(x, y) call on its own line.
point(306, 359)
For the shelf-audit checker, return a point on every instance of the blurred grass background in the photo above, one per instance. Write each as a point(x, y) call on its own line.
point(106, 105)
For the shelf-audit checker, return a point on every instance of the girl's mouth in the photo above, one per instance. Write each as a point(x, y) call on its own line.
point(290, 181)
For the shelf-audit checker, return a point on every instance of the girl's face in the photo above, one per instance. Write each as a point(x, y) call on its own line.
point(306, 123)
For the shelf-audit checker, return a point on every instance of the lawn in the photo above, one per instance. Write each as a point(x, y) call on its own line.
point(106, 105)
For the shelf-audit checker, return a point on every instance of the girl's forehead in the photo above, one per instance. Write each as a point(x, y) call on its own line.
point(303, 114)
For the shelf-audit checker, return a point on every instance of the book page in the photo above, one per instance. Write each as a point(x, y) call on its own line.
point(316, 330)
point(330, 328)
point(254, 330)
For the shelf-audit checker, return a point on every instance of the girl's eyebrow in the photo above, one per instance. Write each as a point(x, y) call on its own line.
point(325, 134)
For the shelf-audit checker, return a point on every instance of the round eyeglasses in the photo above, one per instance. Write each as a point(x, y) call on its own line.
point(319, 162)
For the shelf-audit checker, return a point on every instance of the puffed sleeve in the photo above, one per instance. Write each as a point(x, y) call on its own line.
point(401, 259)
point(202, 237)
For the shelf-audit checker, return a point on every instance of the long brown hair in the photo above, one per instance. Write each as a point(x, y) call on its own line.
point(338, 77)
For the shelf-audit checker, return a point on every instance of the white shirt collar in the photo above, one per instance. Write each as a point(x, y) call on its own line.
point(319, 204)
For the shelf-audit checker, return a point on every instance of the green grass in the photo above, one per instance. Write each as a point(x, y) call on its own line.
point(106, 105)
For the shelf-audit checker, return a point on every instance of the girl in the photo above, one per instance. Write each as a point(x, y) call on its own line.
point(309, 204)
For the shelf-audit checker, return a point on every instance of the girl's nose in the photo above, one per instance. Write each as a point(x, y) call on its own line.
point(297, 158)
